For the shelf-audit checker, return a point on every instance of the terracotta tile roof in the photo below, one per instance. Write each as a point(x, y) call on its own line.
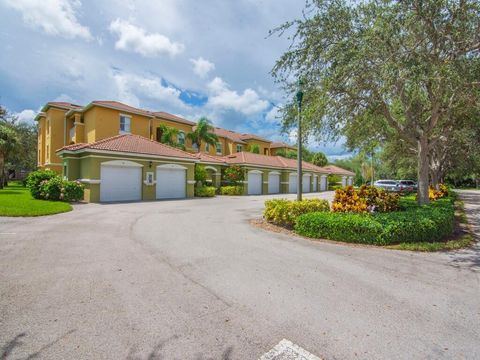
point(133, 144)
point(61, 105)
point(333, 169)
point(269, 161)
point(276, 145)
point(229, 134)
point(123, 107)
point(167, 116)
point(254, 137)
point(209, 158)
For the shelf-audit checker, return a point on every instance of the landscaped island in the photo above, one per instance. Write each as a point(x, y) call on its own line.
point(372, 216)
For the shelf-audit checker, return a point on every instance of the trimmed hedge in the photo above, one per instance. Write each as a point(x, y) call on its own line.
point(285, 212)
point(231, 190)
point(428, 223)
point(205, 191)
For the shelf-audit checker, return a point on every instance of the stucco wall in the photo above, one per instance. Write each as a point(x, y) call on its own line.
point(87, 167)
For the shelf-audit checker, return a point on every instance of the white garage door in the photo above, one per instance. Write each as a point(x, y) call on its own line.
point(171, 182)
point(315, 183)
point(120, 182)
point(273, 183)
point(254, 183)
point(306, 183)
point(292, 183)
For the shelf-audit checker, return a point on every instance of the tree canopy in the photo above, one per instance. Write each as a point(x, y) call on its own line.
point(378, 70)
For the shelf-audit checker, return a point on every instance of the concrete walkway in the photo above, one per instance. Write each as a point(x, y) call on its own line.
point(194, 280)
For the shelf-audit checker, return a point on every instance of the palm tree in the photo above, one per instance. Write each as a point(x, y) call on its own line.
point(168, 135)
point(8, 142)
point(203, 133)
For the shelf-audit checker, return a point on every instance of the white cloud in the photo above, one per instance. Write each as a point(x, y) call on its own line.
point(221, 97)
point(274, 115)
point(54, 17)
point(132, 88)
point(136, 39)
point(26, 115)
point(202, 67)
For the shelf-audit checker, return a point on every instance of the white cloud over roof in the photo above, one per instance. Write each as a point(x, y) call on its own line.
point(222, 97)
point(136, 39)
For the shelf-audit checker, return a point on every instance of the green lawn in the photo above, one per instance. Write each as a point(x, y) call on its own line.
point(16, 200)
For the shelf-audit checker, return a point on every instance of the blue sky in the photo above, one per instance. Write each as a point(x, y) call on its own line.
point(190, 58)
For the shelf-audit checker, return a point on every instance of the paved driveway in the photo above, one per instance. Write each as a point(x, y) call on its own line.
point(194, 280)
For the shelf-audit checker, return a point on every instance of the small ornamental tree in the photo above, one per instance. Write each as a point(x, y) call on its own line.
point(255, 148)
point(200, 173)
point(234, 174)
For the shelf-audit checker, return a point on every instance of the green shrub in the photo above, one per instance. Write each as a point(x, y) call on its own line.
point(285, 212)
point(200, 173)
point(348, 227)
point(35, 178)
point(205, 191)
point(231, 190)
point(73, 191)
point(414, 223)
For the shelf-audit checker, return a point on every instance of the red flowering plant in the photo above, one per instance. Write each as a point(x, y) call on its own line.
point(233, 175)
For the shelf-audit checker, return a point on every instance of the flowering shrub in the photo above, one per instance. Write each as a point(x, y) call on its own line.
point(347, 199)
point(35, 178)
point(58, 189)
point(379, 199)
point(47, 185)
point(231, 190)
point(434, 194)
point(366, 199)
point(205, 191)
point(285, 212)
point(234, 174)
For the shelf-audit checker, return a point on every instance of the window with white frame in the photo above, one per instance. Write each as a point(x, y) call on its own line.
point(181, 138)
point(195, 147)
point(219, 148)
point(239, 148)
point(125, 124)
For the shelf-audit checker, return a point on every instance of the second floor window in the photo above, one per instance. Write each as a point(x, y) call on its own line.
point(219, 148)
point(124, 124)
point(207, 148)
point(239, 148)
point(181, 138)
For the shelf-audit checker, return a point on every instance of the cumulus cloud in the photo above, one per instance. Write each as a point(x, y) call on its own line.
point(135, 39)
point(222, 97)
point(25, 116)
point(131, 88)
point(273, 116)
point(54, 17)
point(202, 67)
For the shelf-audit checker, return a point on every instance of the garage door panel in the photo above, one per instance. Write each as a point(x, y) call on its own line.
point(118, 183)
point(292, 183)
point(315, 183)
point(171, 183)
point(254, 184)
point(273, 183)
point(305, 183)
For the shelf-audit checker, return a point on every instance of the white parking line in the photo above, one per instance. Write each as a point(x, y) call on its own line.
point(286, 350)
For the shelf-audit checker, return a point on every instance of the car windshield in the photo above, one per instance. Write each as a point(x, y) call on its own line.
point(386, 182)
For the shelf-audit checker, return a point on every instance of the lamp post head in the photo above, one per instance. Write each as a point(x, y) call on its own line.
point(299, 94)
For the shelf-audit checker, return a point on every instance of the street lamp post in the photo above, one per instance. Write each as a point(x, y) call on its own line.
point(299, 98)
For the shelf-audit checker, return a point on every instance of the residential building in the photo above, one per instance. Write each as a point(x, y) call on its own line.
point(115, 150)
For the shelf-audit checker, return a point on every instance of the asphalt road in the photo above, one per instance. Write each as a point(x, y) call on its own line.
point(193, 279)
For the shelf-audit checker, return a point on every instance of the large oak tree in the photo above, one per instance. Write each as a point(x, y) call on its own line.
point(398, 67)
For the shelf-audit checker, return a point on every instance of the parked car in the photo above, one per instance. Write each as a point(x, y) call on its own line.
point(407, 185)
point(388, 185)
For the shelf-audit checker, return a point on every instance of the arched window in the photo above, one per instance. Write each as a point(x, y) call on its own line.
point(181, 138)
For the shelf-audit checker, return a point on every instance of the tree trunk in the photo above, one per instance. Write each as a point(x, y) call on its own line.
point(423, 170)
point(2, 170)
point(435, 178)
